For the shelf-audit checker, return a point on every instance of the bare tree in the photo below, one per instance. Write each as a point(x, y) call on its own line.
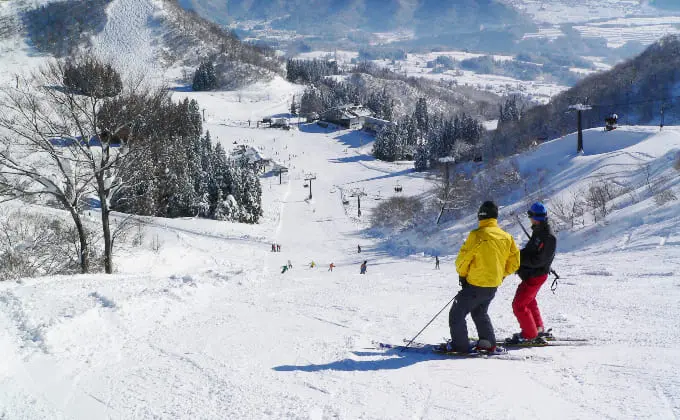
point(34, 159)
point(454, 196)
point(598, 196)
point(62, 143)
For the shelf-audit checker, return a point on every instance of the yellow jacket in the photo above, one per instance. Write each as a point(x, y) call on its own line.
point(488, 255)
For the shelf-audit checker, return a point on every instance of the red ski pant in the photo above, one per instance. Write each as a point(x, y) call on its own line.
point(525, 306)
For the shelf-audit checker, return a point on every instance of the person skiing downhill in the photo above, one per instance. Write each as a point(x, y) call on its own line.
point(362, 268)
point(488, 255)
point(331, 266)
point(535, 261)
point(436, 262)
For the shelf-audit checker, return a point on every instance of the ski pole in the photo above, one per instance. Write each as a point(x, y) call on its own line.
point(428, 324)
point(553, 286)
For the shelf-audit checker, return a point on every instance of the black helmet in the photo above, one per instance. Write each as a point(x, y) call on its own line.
point(488, 210)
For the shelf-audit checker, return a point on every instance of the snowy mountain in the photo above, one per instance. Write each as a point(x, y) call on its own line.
point(156, 39)
point(610, 28)
point(374, 15)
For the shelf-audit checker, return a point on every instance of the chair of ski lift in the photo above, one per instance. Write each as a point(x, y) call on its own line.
point(305, 185)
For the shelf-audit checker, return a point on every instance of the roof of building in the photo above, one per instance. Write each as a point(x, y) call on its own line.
point(249, 153)
point(347, 112)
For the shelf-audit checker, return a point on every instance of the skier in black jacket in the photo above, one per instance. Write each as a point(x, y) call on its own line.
point(534, 267)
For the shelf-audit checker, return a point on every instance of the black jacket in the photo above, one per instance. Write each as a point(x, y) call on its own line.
point(537, 256)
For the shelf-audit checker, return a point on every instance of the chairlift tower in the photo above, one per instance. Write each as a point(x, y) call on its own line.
point(358, 194)
point(308, 179)
point(281, 171)
point(579, 108)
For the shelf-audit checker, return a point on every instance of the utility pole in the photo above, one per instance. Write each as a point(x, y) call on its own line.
point(358, 194)
point(579, 108)
point(309, 179)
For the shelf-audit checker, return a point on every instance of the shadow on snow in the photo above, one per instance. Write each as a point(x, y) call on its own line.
point(398, 360)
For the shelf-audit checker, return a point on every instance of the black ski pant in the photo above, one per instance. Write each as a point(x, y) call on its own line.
point(475, 301)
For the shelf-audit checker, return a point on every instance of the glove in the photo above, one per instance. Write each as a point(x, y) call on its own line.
point(462, 281)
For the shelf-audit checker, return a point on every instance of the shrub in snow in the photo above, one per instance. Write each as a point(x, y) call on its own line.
point(34, 245)
point(598, 196)
point(664, 197)
point(567, 211)
point(396, 212)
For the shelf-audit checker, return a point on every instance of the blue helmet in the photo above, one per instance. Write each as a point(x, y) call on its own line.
point(538, 212)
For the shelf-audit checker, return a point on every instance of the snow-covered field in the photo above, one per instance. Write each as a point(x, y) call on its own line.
point(618, 21)
point(200, 323)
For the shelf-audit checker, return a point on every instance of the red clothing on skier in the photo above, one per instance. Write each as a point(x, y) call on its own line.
point(535, 261)
point(525, 306)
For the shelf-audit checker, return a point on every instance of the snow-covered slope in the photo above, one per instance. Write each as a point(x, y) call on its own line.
point(199, 321)
point(128, 39)
point(153, 40)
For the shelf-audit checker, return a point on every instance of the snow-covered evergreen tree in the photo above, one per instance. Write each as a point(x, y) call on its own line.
point(420, 115)
point(421, 158)
point(311, 101)
point(250, 200)
point(386, 144)
point(294, 107)
point(205, 77)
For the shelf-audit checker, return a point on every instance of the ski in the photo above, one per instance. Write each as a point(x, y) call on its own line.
point(566, 339)
point(550, 343)
point(423, 348)
point(551, 337)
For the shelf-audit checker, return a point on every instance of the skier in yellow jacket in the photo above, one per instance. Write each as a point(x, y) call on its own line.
point(488, 255)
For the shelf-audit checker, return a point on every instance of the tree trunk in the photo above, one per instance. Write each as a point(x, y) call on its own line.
point(82, 236)
point(108, 244)
point(106, 228)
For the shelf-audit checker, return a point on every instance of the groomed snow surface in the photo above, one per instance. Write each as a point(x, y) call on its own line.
point(207, 327)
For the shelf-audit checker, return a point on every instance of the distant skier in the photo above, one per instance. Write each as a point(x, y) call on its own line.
point(284, 268)
point(488, 255)
point(535, 261)
point(362, 268)
point(436, 262)
point(273, 247)
point(312, 264)
point(290, 265)
point(278, 248)
point(331, 266)
point(358, 249)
